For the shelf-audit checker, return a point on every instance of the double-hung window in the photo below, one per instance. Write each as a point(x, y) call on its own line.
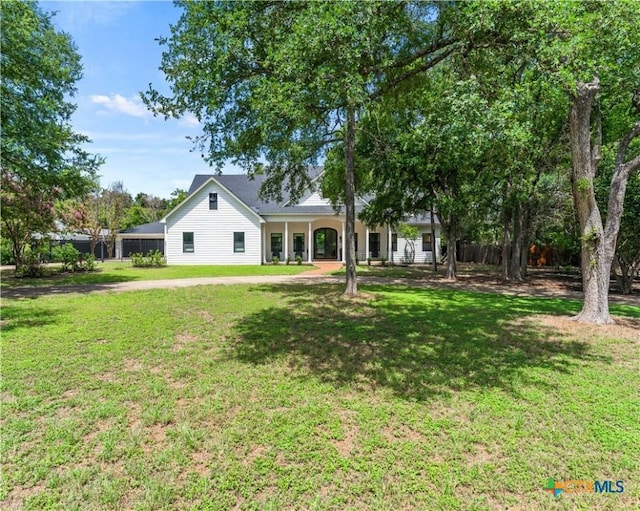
point(276, 244)
point(187, 242)
point(426, 242)
point(238, 242)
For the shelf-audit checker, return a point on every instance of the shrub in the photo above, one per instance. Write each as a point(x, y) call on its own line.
point(298, 260)
point(357, 260)
point(6, 252)
point(87, 262)
point(275, 260)
point(30, 265)
point(383, 261)
point(368, 261)
point(288, 261)
point(153, 259)
point(68, 255)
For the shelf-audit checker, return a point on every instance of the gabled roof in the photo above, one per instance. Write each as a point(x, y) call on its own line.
point(247, 190)
point(150, 228)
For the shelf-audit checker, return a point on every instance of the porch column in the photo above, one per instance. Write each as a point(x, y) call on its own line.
point(366, 243)
point(344, 242)
point(286, 240)
point(389, 252)
point(310, 244)
point(263, 236)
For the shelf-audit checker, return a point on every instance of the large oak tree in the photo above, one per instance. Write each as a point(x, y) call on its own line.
point(280, 82)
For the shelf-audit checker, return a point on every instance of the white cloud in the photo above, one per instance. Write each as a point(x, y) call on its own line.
point(189, 121)
point(74, 16)
point(118, 103)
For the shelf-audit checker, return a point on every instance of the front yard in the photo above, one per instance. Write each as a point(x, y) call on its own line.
point(291, 397)
point(111, 272)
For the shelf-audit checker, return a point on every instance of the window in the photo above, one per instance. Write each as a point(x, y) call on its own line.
point(276, 243)
point(187, 242)
point(213, 201)
point(394, 242)
point(426, 242)
point(238, 242)
point(374, 244)
point(355, 241)
point(298, 244)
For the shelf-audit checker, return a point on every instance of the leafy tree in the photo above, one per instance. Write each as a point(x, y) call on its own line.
point(279, 82)
point(116, 201)
point(42, 158)
point(600, 64)
point(85, 216)
point(25, 211)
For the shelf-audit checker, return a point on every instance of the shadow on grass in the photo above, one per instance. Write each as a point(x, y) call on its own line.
point(60, 283)
point(17, 317)
point(416, 342)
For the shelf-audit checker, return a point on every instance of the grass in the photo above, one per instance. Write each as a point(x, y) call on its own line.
point(111, 272)
point(291, 397)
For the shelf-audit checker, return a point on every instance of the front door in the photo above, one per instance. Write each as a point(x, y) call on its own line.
point(325, 244)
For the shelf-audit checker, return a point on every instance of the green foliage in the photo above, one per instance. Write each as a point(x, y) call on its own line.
point(6, 252)
point(275, 260)
point(153, 259)
point(42, 158)
point(31, 266)
point(68, 255)
point(298, 260)
point(288, 261)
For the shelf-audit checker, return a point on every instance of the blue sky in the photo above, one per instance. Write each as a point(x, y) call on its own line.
point(121, 57)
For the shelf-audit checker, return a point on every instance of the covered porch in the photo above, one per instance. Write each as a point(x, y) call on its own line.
point(321, 239)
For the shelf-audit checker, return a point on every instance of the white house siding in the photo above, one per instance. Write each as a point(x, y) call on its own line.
point(420, 255)
point(213, 230)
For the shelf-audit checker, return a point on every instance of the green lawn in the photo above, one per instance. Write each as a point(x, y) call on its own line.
point(110, 272)
point(292, 397)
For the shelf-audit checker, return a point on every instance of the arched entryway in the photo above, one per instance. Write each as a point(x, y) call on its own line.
point(325, 243)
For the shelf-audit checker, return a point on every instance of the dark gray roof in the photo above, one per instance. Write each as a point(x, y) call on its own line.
point(247, 189)
point(150, 228)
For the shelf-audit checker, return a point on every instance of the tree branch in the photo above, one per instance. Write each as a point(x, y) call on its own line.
point(624, 143)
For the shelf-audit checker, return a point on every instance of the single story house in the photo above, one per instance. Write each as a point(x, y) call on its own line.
point(223, 221)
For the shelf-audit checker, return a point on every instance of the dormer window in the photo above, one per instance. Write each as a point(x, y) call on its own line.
point(213, 201)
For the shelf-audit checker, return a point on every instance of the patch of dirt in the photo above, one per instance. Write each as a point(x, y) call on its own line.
point(402, 433)
point(134, 416)
point(624, 328)
point(478, 455)
point(183, 339)
point(132, 365)
point(100, 426)
point(350, 430)
point(17, 496)
point(254, 453)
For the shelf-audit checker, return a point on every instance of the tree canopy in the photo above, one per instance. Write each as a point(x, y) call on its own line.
point(42, 158)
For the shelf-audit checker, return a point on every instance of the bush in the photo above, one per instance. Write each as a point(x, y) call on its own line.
point(30, 265)
point(6, 252)
point(383, 261)
point(87, 262)
point(288, 261)
point(298, 260)
point(68, 256)
point(153, 259)
point(368, 261)
point(275, 260)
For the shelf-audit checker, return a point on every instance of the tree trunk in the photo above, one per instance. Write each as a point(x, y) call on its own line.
point(434, 255)
point(450, 229)
point(595, 258)
point(506, 238)
point(526, 240)
point(351, 288)
point(516, 246)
